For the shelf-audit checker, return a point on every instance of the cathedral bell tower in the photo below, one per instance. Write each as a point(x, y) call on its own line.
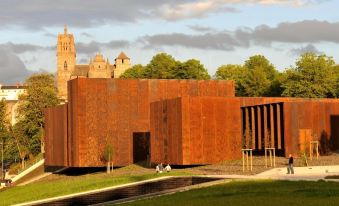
point(66, 55)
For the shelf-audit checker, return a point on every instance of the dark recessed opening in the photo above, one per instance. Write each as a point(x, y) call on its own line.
point(141, 145)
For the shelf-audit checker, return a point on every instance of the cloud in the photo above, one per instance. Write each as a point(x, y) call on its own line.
point(194, 9)
point(22, 48)
point(303, 32)
point(84, 60)
point(38, 14)
point(217, 41)
point(12, 69)
point(308, 31)
point(305, 49)
point(48, 34)
point(199, 28)
point(85, 48)
point(94, 46)
point(85, 34)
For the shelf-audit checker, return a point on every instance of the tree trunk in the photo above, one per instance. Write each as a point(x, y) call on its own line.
point(108, 167)
point(22, 163)
point(112, 166)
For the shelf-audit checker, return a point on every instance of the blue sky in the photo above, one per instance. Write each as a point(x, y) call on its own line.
point(216, 32)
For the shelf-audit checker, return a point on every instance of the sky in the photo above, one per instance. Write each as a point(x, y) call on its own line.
point(216, 32)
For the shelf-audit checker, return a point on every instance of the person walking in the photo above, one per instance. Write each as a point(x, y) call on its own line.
point(290, 169)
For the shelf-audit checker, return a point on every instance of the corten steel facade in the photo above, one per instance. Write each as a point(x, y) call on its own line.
point(112, 111)
point(278, 122)
point(195, 130)
point(181, 122)
point(56, 131)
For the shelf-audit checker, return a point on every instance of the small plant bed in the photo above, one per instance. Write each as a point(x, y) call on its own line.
point(242, 193)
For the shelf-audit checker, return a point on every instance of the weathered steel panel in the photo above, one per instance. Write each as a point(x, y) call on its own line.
point(109, 111)
point(102, 111)
point(210, 129)
point(285, 119)
point(56, 136)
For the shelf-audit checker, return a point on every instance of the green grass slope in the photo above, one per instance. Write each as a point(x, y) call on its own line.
point(245, 193)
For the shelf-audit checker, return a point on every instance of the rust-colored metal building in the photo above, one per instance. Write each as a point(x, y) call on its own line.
point(277, 123)
point(195, 130)
point(116, 112)
point(182, 122)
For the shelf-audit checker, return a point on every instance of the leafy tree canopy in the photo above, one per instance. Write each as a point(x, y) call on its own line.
point(260, 61)
point(313, 76)
point(257, 77)
point(3, 120)
point(191, 69)
point(135, 72)
point(235, 72)
point(40, 94)
point(164, 66)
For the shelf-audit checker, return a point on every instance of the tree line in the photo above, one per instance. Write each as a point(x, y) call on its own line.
point(24, 139)
point(312, 76)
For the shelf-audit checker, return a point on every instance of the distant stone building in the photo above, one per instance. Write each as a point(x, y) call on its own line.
point(11, 95)
point(98, 67)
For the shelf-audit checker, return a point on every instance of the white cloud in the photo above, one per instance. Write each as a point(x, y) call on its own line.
point(37, 14)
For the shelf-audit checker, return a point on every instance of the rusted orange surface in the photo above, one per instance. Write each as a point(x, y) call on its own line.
point(191, 122)
point(56, 136)
point(283, 118)
point(195, 130)
point(109, 111)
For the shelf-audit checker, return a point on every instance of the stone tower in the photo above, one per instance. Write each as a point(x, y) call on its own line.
point(99, 68)
point(66, 55)
point(122, 63)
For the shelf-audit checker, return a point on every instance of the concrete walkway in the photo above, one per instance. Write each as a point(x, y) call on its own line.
point(312, 170)
point(300, 173)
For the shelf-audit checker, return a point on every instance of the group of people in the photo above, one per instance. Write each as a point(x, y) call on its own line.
point(160, 168)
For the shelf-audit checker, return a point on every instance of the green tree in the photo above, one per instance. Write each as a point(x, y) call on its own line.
point(191, 69)
point(261, 77)
point(40, 94)
point(336, 71)
point(313, 76)
point(257, 83)
point(162, 66)
point(108, 156)
point(3, 119)
point(261, 61)
point(136, 72)
point(10, 149)
point(234, 72)
point(21, 141)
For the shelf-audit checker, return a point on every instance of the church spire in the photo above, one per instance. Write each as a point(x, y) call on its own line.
point(65, 29)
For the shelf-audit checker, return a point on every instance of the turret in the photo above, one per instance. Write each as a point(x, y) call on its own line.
point(122, 63)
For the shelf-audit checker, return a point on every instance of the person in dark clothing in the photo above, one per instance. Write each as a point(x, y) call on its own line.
point(290, 169)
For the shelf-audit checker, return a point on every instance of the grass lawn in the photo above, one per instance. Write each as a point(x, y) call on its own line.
point(253, 193)
point(58, 185)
